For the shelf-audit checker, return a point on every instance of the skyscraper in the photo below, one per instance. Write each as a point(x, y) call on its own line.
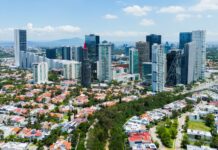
point(86, 68)
point(51, 53)
point(92, 41)
point(67, 53)
point(158, 68)
point(104, 62)
point(147, 72)
point(199, 38)
point(153, 39)
point(188, 63)
point(167, 47)
point(173, 67)
point(133, 61)
point(20, 44)
point(40, 72)
point(77, 53)
point(126, 49)
point(144, 54)
point(184, 38)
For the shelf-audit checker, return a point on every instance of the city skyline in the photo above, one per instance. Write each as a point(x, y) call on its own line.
point(128, 20)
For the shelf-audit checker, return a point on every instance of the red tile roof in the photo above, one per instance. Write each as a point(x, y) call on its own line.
point(144, 137)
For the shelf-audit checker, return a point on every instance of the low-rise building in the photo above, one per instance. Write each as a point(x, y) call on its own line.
point(196, 134)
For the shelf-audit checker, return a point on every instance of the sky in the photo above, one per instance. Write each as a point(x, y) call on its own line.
point(113, 20)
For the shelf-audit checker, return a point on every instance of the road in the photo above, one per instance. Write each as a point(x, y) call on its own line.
point(181, 122)
point(201, 87)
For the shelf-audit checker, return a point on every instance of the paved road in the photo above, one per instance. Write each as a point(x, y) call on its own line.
point(202, 87)
point(181, 122)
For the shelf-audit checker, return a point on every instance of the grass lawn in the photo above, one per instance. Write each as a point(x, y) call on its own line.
point(195, 125)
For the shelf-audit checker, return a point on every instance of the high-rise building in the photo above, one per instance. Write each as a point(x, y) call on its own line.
point(86, 68)
point(104, 62)
point(167, 47)
point(147, 72)
point(40, 72)
point(20, 44)
point(92, 41)
point(144, 54)
point(153, 39)
point(199, 38)
point(188, 63)
point(184, 38)
point(77, 53)
point(51, 53)
point(72, 70)
point(158, 68)
point(133, 61)
point(126, 50)
point(173, 67)
point(67, 53)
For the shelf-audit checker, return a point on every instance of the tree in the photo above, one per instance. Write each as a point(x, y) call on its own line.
point(215, 142)
point(166, 140)
point(157, 144)
point(210, 120)
point(185, 141)
point(1, 134)
point(199, 143)
point(173, 132)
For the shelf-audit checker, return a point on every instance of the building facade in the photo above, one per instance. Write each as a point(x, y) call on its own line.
point(72, 70)
point(40, 72)
point(86, 68)
point(184, 38)
point(153, 39)
point(188, 63)
point(173, 67)
point(199, 38)
point(20, 44)
point(144, 54)
point(67, 53)
point(92, 42)
point(104, 62)
point(133, 61)
point(158, 68)
point(147, 72)
point(51, 53)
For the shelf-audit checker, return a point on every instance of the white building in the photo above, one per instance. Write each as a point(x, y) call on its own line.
point(104, 69)
point(193, 147)
point(20, 44)
point(14, 146)
point(199, 38)
point(40, 72)
point(71, 70)
point(158, 68)
point(192, 134)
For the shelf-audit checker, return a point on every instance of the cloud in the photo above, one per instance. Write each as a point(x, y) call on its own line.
point(122, 34)
point(49, 29)
point(110, 17)
point(182, 17)
point(172, 9)
point(137, 10)
point(147, 22)
point(43, 33)
point(205, 5)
